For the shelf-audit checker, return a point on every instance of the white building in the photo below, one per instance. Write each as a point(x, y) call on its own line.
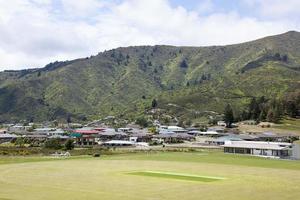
point(124, 143)
point(271, 149)
point(171, 129)
point(296, 150)
point(221, 123)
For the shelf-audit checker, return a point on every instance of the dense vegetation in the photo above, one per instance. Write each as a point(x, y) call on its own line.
point(188, 82)
point(272, 110)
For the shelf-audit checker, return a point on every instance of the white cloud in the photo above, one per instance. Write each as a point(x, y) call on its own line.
point(276, 8)
point(205, 6)
point(81, 8)
point(34, 33)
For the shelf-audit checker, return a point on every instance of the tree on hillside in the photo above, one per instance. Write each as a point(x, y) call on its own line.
point(277, 56)
point(69, 145)
point(142, 122)
point(273, 115)
point(154, 103)
point(69, 120)
point(228, 115)
point(291, 104)
point(284, 58)
point(183, 64)
point(254, 110)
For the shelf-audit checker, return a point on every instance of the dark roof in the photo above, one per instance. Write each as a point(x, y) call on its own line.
point(140, 135)
point(174, 135)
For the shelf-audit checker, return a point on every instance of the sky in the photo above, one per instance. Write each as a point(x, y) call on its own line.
point(34, 33)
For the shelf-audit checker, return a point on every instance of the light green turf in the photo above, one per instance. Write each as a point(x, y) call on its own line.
point(105, 178)
point(178, 176)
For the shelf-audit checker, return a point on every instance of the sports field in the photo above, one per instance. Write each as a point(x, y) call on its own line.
point(151, 176)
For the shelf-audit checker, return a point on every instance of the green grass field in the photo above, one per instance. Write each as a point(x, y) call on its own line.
point(163, 175)
point(177, 176)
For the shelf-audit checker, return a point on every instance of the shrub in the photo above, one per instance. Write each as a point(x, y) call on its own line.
point(53, 144)
point(69, 145)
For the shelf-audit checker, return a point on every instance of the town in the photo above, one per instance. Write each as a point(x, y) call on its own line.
point(157, 137)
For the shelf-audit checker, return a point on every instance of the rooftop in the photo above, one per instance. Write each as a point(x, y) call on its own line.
point(120, 142)
point(257, 145)
point(7, 135)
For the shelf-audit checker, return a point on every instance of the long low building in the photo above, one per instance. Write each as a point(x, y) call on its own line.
point(272, 149)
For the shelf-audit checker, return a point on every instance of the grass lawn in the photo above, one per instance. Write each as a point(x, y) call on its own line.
point(159, 176)
point(178, 176)
point(286, 126)
point(290, 124)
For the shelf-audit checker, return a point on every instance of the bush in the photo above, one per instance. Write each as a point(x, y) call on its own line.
point(69, 145)
point(142, 122)
point(53, 144)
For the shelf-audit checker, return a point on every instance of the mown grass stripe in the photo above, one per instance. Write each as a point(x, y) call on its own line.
point(179, 176)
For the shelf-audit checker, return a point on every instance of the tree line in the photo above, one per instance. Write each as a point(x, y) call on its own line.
point(263, 109)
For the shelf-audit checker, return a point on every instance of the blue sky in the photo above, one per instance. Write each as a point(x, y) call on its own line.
point(36, 32)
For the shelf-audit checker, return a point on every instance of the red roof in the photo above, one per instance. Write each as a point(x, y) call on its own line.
point(86, 131)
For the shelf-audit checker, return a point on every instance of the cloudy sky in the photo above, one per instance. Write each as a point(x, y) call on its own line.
point(36, 32)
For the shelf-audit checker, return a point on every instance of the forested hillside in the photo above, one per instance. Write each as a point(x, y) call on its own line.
point(185, 81)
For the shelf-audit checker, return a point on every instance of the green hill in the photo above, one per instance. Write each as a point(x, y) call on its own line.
point(123, 81)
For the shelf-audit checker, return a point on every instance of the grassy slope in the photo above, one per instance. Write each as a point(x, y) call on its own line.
point(286, 126)
point(113, 82)
point(108, 179)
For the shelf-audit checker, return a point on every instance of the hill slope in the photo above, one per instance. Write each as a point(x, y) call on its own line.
point(124, 81)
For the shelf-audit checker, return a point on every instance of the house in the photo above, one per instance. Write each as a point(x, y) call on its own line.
point(85, 140)
point(221, 123)
point(269, 136)
point(89, 136)
point(56, 132)
point(43, 131)
point(126, 130)
point(219, 129)
point(140, 137)
point(35, 137)
point(247, 137)
point(125, 143)
point(111, 134)
point(18, 128)
point(223, 139)
point(173, 138)
point(2, 131)
point(86, 136)
point(60, 137)
point(86, 131)
point(296, 150)
point(119, 143)
point(171, 129)
point(271, 149)
point(205, 133)
point(6, 137)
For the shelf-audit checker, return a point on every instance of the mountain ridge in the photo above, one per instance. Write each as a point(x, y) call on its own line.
point(124, 81)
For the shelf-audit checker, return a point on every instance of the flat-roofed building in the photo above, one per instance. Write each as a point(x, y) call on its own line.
point(272, 149)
